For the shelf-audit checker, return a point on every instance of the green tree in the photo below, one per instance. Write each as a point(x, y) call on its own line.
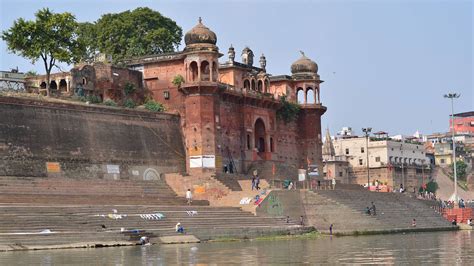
point(51, 37)
point(461, 168)
point(128, 34)
point(31, 73)
point(87, 33)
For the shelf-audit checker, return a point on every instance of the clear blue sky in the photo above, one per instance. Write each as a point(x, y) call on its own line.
point(386, 64)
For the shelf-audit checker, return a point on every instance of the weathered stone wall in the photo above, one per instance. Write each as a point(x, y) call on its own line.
point(83, 140)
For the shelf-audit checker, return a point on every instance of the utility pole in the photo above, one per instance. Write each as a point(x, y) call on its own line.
point(453, 96)
point(367, 132)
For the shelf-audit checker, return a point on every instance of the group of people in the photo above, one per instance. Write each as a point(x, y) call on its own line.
point(371, 210)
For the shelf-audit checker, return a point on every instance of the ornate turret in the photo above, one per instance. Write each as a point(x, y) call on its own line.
point(247, 56)
point(304, 65)
point(263, 62)
point(231, 54)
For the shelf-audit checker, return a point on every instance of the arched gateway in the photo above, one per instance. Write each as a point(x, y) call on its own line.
point(259, 135)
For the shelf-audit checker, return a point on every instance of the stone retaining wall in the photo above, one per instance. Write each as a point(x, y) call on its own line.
point(40, 139)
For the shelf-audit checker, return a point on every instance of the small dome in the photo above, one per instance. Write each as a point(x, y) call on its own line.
point(304, 65)
point(200, 34)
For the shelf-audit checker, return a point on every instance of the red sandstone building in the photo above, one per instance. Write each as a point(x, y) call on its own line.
point(463, 122)
point(229, 109)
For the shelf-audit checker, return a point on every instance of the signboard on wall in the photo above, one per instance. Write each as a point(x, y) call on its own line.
point(209, 161)
point(195, 161)
point(53, 167)
point(113, 169)
point(313, 170)
point(301, 174)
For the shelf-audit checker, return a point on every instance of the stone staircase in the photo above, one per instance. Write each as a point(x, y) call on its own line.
point(231, 181)
point(21, 224)
point(345, 209)
point(234, 197)
point(87, 191)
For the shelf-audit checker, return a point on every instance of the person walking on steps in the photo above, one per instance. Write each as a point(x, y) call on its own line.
point(253, 182)
point(373, 209)
point(189, 196)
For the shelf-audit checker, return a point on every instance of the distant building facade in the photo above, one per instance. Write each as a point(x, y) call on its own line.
point(463, 122)
point(392, 162)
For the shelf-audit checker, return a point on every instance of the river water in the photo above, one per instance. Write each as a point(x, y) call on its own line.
point(439, 248)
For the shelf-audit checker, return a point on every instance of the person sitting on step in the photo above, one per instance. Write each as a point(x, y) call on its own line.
point(179, 228)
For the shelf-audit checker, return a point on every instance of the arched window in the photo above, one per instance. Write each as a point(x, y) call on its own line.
point(43, 85)
point(300, 96)
point(253, 84)
point(247, 84)
point(62, 85)
point(310, 95)
point(271, 145)
point(84, 81)
point(259, 135)
point(193, 71)
point(267, 86)
point(53, 85)
point(205, 71)
point(260, 86)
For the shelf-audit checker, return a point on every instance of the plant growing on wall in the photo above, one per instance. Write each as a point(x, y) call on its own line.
point(432, 186)
point(110, 102)
point(153, 106)
point(288, 111)
point(178, 80)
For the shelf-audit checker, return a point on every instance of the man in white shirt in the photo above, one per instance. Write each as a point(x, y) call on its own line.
point(189, 196)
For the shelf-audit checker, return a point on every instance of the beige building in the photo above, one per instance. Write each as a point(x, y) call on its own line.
point(392, 162)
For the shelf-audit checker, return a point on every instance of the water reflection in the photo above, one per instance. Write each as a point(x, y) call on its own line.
point(442, 248)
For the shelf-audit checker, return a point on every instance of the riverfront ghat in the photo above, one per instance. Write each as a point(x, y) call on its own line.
point(214, 151)
point(76, 197)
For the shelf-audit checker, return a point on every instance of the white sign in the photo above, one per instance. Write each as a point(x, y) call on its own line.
point(301, 174)
point(195, 161)
point(135, 172)
point(113, 169)
point(209, 161)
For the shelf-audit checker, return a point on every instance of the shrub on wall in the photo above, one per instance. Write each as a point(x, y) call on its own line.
point(90, 99)
point(288, 111)
point(129, 103)
point(110, 102)
point(432, 186)
point(178, 80)
point(153, 106)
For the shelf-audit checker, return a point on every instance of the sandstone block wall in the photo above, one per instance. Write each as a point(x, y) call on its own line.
point(66, 140)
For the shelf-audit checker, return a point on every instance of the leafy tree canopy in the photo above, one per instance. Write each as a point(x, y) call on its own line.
point(461, 170)
point(128, 34)
point(51, 37)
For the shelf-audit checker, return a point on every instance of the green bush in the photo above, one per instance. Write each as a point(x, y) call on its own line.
point(129, 103)
point(90, 98)
point(154, 106)
point(178, 80)
point(110, 102)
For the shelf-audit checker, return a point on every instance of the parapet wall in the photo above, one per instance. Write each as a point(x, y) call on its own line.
point(40, 139)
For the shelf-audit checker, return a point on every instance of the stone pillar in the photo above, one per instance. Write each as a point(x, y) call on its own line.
point(211, 71)
point(67, 85)
point(199, 71)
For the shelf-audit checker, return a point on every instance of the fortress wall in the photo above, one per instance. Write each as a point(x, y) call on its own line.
point(87, 141)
